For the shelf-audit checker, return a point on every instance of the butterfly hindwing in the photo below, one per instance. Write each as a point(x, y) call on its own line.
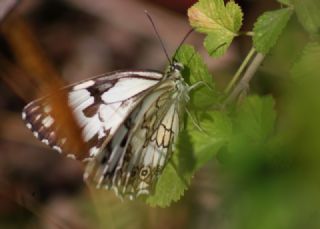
point(135, 157)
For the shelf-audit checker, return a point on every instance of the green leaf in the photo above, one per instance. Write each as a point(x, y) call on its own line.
point(194, 149)
point(195, 68)
point(196, 71)
point(217, 44)
point(221, 22)
point(307, 66)
point(308, 14)
point(269, 27)
point(176, 176)
point(169, 188)
point(253, 123)
point(217, 129)
point(256, 117)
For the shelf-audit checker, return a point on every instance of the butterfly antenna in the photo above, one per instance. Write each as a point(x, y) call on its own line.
point(183, 40)
point(158, 35)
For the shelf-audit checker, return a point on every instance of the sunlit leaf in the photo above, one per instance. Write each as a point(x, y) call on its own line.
point(219, 21)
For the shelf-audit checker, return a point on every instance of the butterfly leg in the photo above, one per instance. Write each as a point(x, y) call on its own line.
point(199, 84)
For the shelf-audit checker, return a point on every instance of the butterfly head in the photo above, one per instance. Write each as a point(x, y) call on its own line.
point(176, 66)
point(174, 73)
point(174, 70)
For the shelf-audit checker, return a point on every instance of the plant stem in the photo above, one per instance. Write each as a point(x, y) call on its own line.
point(240, 70)
point(244, 82)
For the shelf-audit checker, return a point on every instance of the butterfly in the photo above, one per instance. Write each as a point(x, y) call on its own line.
point(129, 120)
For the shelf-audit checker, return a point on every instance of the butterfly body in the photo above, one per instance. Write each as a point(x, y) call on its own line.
point(129, 120)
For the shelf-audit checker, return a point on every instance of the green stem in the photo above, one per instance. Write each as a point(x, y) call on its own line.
point(243, 84)
point(240, 70)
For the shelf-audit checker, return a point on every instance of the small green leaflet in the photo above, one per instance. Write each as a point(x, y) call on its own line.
point(269, 27)
point(220, 22)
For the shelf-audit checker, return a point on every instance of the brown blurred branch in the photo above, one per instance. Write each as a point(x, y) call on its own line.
point(32, 59)
point(23, 86)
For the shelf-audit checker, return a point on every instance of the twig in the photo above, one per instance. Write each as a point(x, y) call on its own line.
point(240, 70)
point(30, 56)
point(244, 82)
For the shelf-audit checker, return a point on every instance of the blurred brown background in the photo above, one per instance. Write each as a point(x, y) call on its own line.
point(71, 40)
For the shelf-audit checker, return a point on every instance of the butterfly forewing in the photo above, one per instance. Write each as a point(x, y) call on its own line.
point(100, 105)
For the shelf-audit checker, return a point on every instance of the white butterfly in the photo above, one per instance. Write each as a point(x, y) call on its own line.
point(130, 121)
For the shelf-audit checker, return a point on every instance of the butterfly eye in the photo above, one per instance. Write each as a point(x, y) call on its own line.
point(178, 66)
